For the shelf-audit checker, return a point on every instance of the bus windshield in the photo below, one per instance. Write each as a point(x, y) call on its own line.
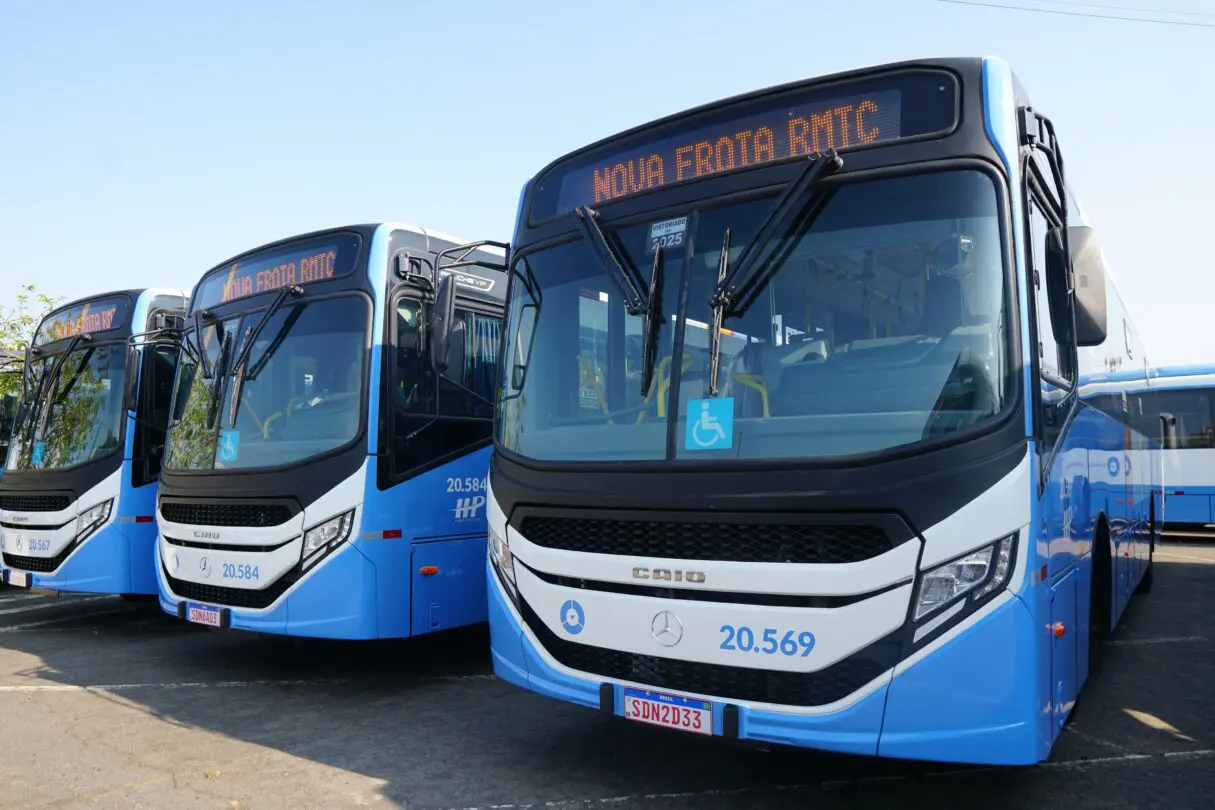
point(75, 417)
point(299, 393)
point(880, 325)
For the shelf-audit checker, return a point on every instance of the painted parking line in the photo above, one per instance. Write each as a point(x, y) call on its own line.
point(50, 603)
point(135, 687)
point(1135, 642)
point(17, 628)
point(645, 798)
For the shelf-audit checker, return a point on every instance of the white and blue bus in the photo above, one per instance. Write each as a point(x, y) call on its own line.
point(327, 457)
point(78, 494)
point(790, 445)
point(1186, 396)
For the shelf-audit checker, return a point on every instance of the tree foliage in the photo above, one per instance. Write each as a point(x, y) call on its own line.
point(17, 325)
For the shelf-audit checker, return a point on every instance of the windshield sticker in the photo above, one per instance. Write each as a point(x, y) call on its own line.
point(667, 234)
point(229, 444)
point(37, 454)
point(710, 424)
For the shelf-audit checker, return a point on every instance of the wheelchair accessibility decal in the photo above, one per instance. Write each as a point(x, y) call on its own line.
point(710, 424)
point(229, 445)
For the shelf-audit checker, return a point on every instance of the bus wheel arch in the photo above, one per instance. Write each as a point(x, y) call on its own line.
point(1100, 594)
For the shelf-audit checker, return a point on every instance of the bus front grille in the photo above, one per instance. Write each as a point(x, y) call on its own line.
point(37, 565)
point(203, 513)
point(755, 542)
point(229, 597)
point(34, 503)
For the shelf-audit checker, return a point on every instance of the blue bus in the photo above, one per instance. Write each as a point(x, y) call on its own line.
point(78, 494)
point(1184, 395)
point(327, 456)
point(790, 444)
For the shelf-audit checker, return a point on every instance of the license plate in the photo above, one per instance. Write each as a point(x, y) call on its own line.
point(18, 579)
point(199, 614)
point(669, 711)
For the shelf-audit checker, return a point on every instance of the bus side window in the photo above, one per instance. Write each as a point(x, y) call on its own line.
point(461, 419)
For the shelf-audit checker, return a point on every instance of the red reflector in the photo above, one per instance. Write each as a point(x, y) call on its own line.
point(1179, 492)
point(428, 570)
point(144, 518)
point(1043, 574)
point(392, 534)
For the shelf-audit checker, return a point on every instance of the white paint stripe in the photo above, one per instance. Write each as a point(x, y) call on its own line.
point(1072, 764)
point(1162, 555)
point(1202, 754)
point(52, 603)
point(18, 595)
point(132, 687)
point(14, 628)
point(1135, 642)
point(1113, 746)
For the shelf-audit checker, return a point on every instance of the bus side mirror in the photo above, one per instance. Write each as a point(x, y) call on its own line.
point(1168, 431)
point(1088, 269)
point(443, 328)
point(130, 391)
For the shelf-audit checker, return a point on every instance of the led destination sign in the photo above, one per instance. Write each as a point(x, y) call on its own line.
point(88, 317)
point(273, 270)
point(751, 133)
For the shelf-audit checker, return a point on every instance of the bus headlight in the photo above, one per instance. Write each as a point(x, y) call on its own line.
point(93, 518)
point(977, 573)
point(503, 560)
point(324, 537)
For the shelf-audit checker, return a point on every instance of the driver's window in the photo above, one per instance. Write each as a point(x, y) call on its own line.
point(419, 432)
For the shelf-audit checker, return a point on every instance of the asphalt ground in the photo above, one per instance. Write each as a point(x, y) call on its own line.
point(106, 703)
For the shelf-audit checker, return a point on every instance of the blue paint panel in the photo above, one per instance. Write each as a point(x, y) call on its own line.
point(505, 635)
point(1188, 508)
point(999, 119)
point(101, 565)
point(973, 700)
point(455, 596)
point(1064, 667)
point(336, 601)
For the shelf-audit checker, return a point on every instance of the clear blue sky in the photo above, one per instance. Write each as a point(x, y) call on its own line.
point(143, 141)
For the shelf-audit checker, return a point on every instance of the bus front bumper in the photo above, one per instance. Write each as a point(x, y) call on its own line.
point(337, 600)
point(970, 700)
point(115, 560)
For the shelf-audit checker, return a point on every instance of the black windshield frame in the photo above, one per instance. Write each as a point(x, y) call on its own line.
point(50, 354)
point(766, 182)
point(238, 311)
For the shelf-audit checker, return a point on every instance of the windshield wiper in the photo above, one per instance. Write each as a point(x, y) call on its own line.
point(221, 358)
point(239, 372)
point(293, 290)
point(723, 268)
point(628, 282)
point(207, 370)
point(737, 286)
point(47, 384)
point(653, 322)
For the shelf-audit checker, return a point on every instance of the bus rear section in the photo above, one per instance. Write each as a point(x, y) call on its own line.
point(774, 459)
point(77, 499)
point(326, 468)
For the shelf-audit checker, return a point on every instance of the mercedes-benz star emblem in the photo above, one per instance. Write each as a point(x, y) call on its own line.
point(666, 628)
point(204, 565)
